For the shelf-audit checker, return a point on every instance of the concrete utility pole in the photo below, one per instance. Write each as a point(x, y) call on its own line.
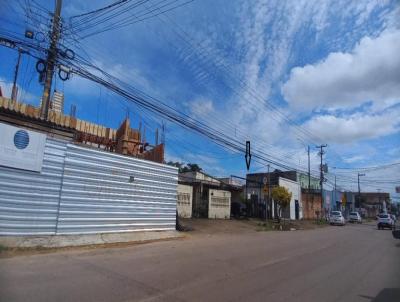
point(335, 191)
point(309, 178)
point(14, 91)
point(379, 198)
point(269, 194)
point(309, 170)
point(321, 177)
point(359, 190)
point(51, 60)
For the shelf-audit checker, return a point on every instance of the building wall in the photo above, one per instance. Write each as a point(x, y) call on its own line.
point(198, 176)
point(219, 204)
point(311, 205)
point(184, 201)
point(294, 188)
point(302, 179)
point(86, 191)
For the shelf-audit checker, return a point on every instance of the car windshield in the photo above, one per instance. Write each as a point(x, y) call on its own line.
point(336, 213)
point(383, 216)
point(353, 213)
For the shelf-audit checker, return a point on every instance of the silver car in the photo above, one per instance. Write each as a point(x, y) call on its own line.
point(355, 217)
point(336, 218)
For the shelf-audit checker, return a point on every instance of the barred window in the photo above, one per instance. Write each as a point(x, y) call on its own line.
point(183, 199)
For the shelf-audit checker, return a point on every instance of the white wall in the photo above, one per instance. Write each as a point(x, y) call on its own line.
point(294, 188)
point(184, 201)
point(219, 204)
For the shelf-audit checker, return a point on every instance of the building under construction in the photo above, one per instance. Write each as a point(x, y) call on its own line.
point(124, 140)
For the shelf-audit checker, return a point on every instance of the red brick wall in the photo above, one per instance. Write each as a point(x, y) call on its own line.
point(311, 205)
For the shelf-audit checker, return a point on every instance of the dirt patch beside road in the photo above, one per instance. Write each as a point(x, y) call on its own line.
point(212, 227)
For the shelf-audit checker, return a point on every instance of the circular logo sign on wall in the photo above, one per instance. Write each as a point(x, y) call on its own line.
point(21, 139)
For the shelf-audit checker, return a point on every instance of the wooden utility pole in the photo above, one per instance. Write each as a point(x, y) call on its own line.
point(51, 60)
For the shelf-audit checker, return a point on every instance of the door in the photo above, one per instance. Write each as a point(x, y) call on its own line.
point(297, 209)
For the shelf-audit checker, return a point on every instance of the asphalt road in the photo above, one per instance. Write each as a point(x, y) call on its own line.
point(351, 263)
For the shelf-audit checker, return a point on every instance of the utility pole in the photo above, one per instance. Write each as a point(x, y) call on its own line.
point(309, 170)
point(335, 191)
point(321, 175)
point(379, 197)
point(309, 179)
point(51, 60)
point(269, 194)
point(359, 190)
point(14, 91)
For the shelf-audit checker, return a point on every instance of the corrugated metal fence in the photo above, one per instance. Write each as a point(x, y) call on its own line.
point(83, 191)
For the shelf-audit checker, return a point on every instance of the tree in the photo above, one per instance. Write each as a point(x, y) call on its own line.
point(175, 164)
point(188, 168)
point(194, 167)
point(282, 198)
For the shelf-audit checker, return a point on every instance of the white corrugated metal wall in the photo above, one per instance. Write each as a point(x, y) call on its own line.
point(82, 191)
point(29, 200)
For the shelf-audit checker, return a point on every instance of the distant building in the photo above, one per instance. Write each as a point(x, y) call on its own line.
point(57, 103)
point(372, 203)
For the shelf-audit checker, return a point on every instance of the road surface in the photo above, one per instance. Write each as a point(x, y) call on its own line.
point(351, 263)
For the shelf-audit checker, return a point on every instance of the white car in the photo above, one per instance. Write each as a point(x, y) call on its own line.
point(385, 221)
point(355, 217)
point(337, 218)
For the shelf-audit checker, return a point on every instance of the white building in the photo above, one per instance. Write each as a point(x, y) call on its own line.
point(295, 209)
point(210, 197)
point(219, 206)
point(184, 201)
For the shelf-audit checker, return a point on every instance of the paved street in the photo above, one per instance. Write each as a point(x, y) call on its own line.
point(351, 263)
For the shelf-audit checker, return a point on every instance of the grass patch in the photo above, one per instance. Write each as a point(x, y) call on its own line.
point(265, 226)
point(3, 248)
point(320, 222)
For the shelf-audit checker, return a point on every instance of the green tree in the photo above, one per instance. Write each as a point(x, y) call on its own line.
point(194, 167)
point(175, 164)
point(282, 198)
point(185, 168)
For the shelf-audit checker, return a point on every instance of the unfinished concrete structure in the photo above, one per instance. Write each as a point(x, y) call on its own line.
point(124, 140)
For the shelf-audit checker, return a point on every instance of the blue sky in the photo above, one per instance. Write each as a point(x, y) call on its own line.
point(252, 69)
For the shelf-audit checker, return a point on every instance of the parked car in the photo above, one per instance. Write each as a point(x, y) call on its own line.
point(385, 221)
point(355, 217)
point(394, 218)
point(337, 218)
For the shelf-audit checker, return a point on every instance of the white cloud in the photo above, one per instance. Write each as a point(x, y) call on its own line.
point(22, 96)
point(371, 72)
point(201, 107)
point(354, 127)
point(354, 158)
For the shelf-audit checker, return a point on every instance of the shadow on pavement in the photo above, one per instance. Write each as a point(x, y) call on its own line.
point(385, 295)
